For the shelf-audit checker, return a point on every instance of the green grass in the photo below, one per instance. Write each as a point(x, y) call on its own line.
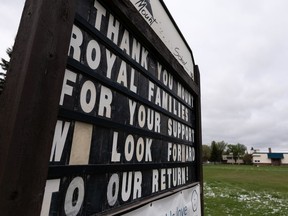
point(245, 190)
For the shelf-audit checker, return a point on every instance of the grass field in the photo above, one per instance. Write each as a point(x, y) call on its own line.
point(239, 190)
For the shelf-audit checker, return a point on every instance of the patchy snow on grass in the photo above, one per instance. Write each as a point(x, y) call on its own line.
point(251, 202)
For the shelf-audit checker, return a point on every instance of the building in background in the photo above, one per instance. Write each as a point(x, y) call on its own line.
point(269, 158)
point(229, 159)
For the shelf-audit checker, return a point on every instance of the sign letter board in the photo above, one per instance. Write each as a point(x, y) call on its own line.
point(126, 126)
point(128, 129)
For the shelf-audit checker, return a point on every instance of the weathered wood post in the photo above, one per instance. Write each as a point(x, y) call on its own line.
point(29, 103)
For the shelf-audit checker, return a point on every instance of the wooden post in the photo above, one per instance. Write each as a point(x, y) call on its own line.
point(29, 103)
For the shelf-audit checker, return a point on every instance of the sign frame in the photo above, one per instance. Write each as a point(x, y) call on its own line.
point(26, 139)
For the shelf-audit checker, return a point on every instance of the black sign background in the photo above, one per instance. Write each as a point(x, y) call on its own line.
point(174, 151)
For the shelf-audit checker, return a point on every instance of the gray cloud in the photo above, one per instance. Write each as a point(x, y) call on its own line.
point(241, 50)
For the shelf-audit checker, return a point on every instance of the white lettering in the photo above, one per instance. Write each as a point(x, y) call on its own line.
point(144, 58)
point(101, 11)
point(140, 149)
point(169, 151)
point(67, 89)
point(148, 155)
point(141, 116)
point(129, 148)
point(106, 98)
point(110, 62)
point(163, 179)
point(75, 43)
point(72, 206)
point(113, 29)
point(115, 156)
point(179, 130)
point(113, 189)
point(51, 187)
point(133, 87)
point(60, 136)
point(132, 107)
point(93, 54)
point(122, 75)
point(137, 191)
point(125, 45)
point(150, 90)
point(88, 96)
point(136, 50)
point(155, 179)
point(126, 186)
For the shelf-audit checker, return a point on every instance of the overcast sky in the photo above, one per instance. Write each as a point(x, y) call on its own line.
point(241, 48)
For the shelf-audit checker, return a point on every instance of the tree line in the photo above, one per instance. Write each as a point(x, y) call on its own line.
point(215, 151)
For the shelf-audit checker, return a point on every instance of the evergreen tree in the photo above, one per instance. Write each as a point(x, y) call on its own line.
point(217, 149)
point(206, 153)
point(214, 152)
point(5, 66)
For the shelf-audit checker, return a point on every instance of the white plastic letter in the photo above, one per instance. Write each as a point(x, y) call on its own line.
point(88, 106)
point(113, 189)
point(60, 136)
point(101, 11)
point(93, 54)
point(52, 186)
point(75, 43)
point(67, 89)
point(70, 207)
point(106, 98)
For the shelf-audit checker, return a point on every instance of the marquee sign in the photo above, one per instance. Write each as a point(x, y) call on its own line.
point(128, 127)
